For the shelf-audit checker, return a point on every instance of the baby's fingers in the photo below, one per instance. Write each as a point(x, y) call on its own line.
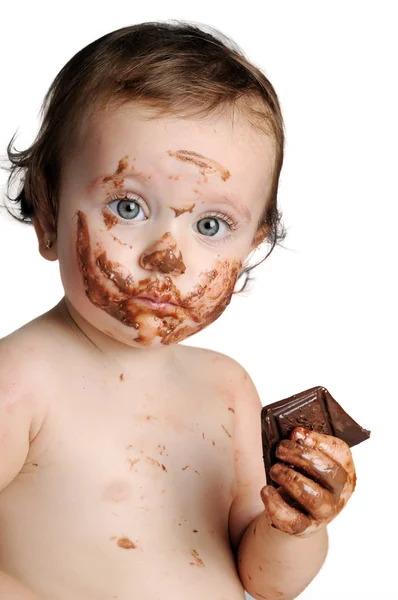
point(283, 516)
point(330, 445)
point(316, 500)
point(313, 462)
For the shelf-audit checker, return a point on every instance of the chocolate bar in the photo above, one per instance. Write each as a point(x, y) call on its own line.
point(313, 409)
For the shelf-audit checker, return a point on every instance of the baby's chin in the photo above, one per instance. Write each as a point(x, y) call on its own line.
point(148, 329)
point(153, 332)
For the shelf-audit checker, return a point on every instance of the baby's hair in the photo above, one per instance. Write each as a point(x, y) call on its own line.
point(174, 68)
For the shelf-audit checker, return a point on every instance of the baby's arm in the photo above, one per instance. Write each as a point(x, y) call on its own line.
point(271, 564)
point(275, 565)
point(16, 418)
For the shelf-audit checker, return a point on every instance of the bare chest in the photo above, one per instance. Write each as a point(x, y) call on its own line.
point(121, 480)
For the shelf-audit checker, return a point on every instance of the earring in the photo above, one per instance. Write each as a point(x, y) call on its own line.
point(49, 244)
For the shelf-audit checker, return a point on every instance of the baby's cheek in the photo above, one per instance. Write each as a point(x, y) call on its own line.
point(69, 270)
point(213, 293)
point(111, 287)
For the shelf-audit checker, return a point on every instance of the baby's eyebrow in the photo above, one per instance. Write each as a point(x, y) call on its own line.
point(105, 178)
point(236, 204)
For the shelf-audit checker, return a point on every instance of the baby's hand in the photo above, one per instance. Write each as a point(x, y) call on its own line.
point(322, 492)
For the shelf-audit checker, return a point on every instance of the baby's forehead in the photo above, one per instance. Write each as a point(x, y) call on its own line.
point(134, 132)
point(223, 152)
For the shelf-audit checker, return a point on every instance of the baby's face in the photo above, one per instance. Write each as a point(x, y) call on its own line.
point(156, 219)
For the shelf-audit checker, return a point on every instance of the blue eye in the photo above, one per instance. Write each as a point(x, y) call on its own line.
point(127, 208)
point(208, 226)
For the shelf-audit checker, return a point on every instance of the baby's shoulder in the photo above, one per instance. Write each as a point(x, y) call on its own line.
point(213, 363)
point(25, 365)
point(26, 356)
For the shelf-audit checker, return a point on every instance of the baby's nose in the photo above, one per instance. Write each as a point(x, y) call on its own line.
point(163, 256)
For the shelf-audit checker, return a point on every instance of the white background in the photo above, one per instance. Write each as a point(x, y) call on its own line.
point(323, 310)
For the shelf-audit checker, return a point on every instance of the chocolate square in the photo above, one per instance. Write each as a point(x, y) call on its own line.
point(313, 409)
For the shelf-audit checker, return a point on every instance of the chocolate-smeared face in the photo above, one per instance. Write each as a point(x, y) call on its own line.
point(156, 219)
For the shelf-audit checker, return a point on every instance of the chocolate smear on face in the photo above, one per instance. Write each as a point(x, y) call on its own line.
point(110, 220)
point(122, 243)
point(122, 166)
point(207, 166)
point(181, 211)
point(164, 258)
point(110, 287)
point(261, 234)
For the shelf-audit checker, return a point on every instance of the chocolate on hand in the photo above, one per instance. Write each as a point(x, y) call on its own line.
point(309, 466)
point(314, 409)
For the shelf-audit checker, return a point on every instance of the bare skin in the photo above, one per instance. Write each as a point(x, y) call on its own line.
point(125, 479)
point(144, 468)
point(129, 480)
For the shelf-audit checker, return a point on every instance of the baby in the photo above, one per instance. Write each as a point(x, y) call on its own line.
point(131, 465)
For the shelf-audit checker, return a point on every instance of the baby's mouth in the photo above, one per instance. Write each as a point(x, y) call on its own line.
point(157, 295)
point(157, 304)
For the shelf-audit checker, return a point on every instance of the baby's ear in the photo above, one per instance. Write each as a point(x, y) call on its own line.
point(46, 237)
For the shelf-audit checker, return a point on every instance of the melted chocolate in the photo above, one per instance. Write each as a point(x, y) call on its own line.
point(122, 166)
point(126, 543)
point(112, 289)
point(313, 409)
point(163, 258)
point(181, 211)
point(110, 220)
point(206, 165)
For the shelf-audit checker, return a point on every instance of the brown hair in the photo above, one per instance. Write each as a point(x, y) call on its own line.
point(173, 67)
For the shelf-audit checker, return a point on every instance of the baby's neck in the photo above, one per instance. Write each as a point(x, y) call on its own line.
point(109, 350)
